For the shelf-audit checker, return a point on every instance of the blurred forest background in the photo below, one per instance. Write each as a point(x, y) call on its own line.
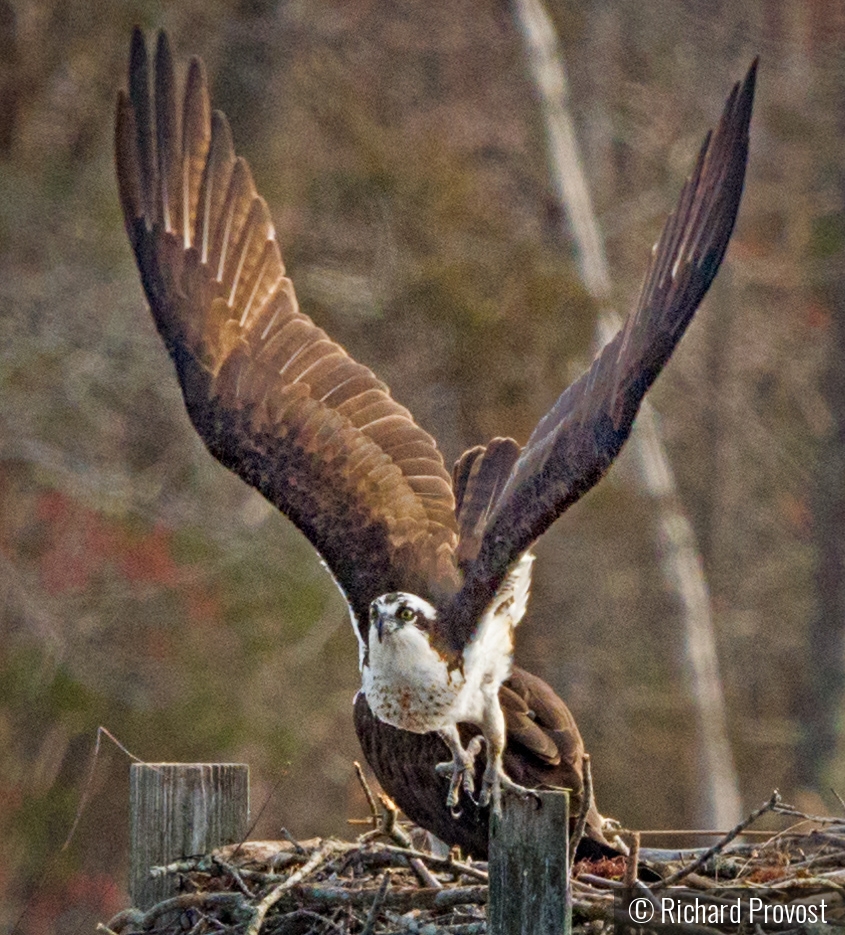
point(401, 148)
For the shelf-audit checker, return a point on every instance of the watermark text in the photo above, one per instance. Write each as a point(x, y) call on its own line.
point(690, 908)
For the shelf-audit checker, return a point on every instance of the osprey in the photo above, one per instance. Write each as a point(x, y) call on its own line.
point(544, 750)
point(436, 569)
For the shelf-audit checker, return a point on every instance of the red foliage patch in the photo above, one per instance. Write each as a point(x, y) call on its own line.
point(609, 868)
point(77, 541)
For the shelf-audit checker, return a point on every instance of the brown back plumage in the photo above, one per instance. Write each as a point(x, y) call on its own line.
point(272, 397)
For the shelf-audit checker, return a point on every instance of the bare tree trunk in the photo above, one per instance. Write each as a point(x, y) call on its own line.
point(679, 555)
point(821, 705)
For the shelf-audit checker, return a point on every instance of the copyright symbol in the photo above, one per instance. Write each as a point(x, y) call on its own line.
point(641, 910)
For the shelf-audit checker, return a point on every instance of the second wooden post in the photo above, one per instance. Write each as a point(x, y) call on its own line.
point(529, 867)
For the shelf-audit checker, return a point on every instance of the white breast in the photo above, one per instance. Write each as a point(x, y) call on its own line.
point(407, 683)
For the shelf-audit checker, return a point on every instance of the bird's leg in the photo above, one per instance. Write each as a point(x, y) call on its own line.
point(461, 767)
point(496, 779)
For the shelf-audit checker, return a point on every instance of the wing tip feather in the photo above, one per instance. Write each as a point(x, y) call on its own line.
point(126, 159)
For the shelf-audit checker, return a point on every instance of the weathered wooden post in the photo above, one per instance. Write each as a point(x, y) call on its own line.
point(177, 810)
point(529, 867)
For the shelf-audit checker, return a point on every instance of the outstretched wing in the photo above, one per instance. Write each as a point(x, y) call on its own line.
point(577, 440)
point(273, 398)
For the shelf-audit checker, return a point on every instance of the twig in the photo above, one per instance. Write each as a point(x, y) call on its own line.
point(826, 881)
point(775, 838)
point(719, 846)
point(277, 892)
point(839, 799)
point(390, 819)
point(632, 861)
point(371, 799)
point(287, 836)
point(586, 802)
point(206, 920)
point(424, 875)
point(388, 824)
point(441, 863)
point(378, 902)
point(178, 866)
point(320, 895)
point(262, 878)
point(696, 832)
point(601, 882)
point(793, 812)
point(145, 920)
point(235, 874)
point(123, 918)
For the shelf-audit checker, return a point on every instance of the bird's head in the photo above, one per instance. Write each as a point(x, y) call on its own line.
point(391, 612)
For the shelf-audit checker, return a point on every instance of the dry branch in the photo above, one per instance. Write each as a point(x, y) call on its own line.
point(719, 846)
point(317, 858)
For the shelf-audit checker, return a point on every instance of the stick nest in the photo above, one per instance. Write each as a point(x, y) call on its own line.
point(381, 885)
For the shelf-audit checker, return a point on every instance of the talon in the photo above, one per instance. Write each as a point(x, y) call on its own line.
point(460, 775)
point(461, 772)
point(473, 748)
point(497, 783)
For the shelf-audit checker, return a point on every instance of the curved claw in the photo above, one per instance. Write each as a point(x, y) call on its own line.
point(495, 783)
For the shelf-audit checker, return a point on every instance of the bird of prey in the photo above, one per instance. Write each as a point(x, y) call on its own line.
point(544, 750)
point(436, 569)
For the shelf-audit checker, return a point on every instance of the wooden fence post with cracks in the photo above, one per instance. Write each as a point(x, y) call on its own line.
point(178, 810)
point(529, 867)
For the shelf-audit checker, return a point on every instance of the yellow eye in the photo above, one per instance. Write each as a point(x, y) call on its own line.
point(406, 614)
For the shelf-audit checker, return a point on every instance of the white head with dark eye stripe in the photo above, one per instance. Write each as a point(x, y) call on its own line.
point(392, 612)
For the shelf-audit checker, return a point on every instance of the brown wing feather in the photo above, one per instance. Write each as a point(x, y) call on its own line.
point(578, 439)
point(478, 478)
point(273, 398)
